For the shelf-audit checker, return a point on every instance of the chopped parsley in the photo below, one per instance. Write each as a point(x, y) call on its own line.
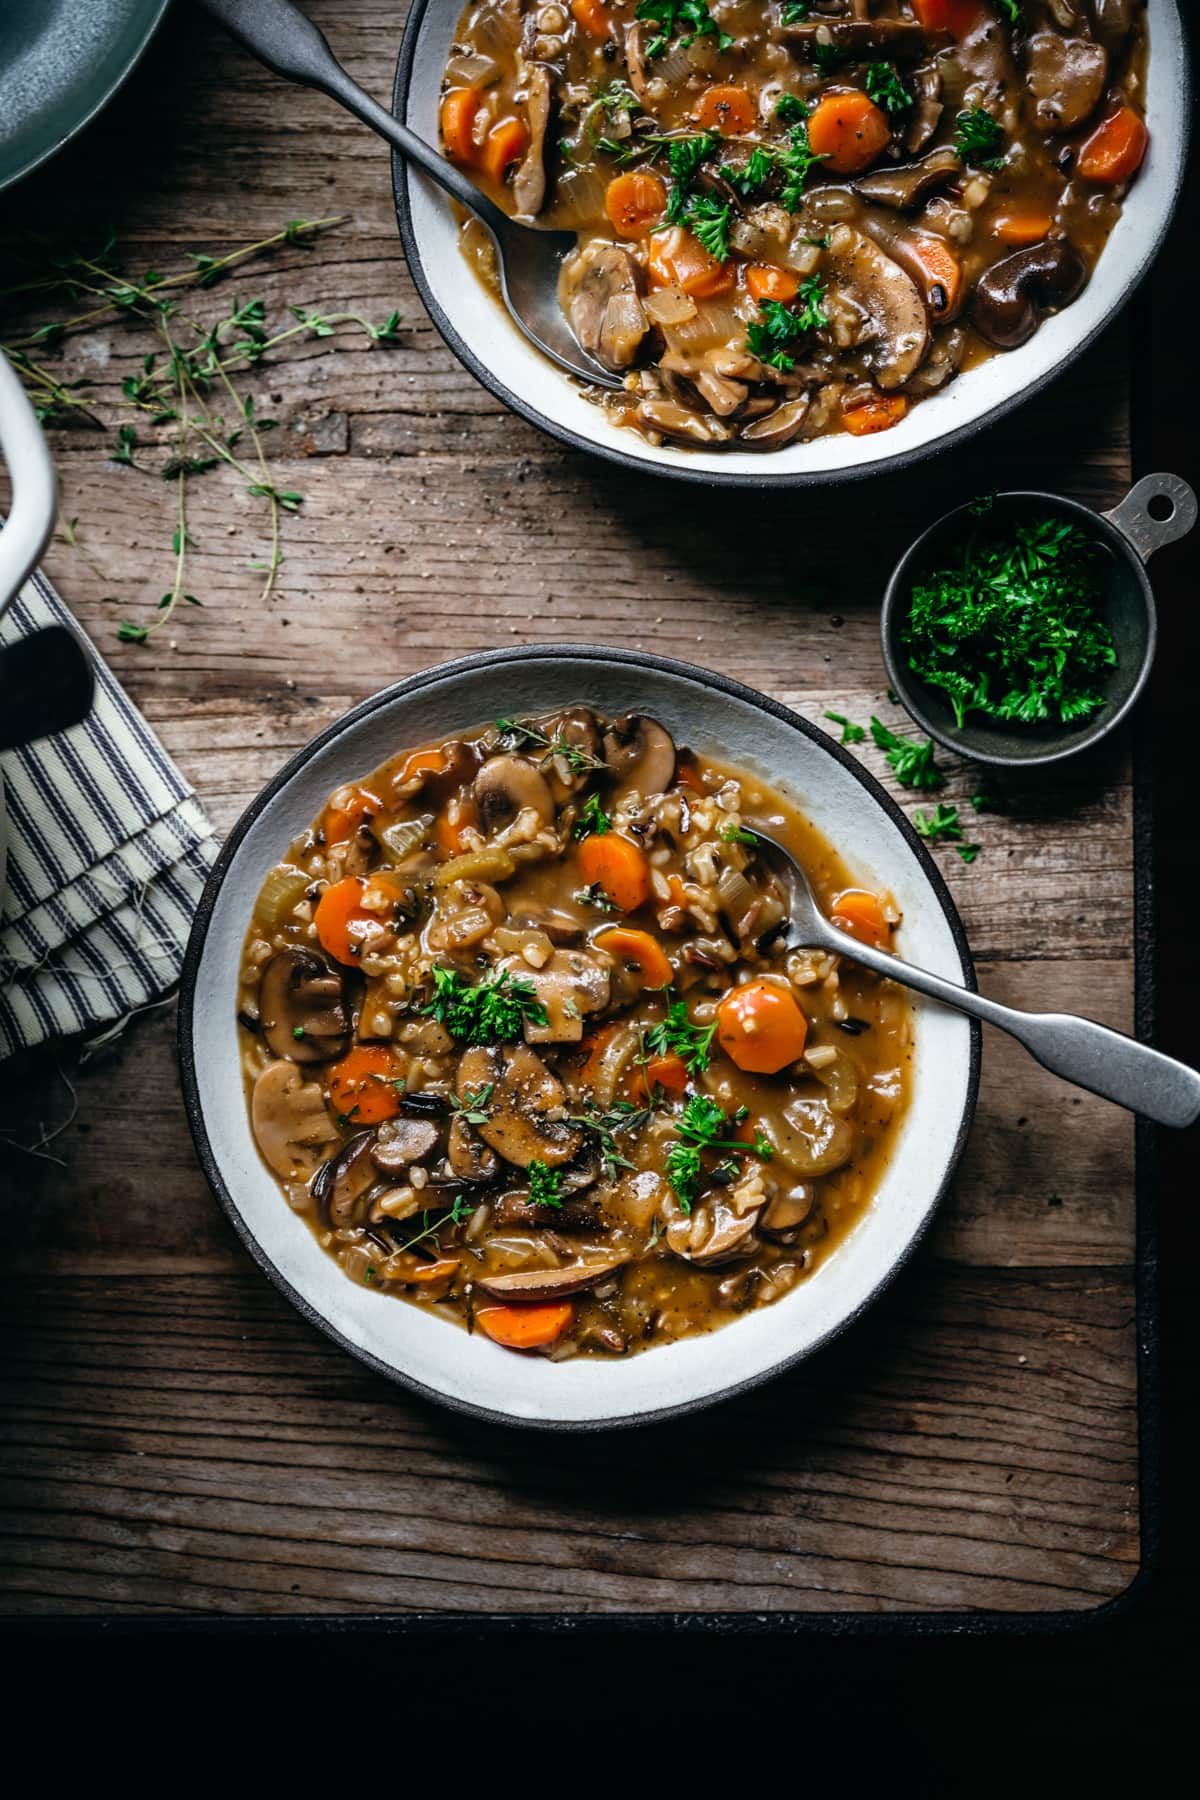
point(494, 1012)
point(911, 759)
point(708, 221)
point(753, 177)
point(701, 1126)
point(986, 803)
point(789, 109)
point(677, 1036)
point(734, 834)
point(595, 896)
point(829, 57)
point(768, 338)
point(851, 734)
point(886, 89)
point(1011, 626)
point(794, 12)
point(796, 161)
point(1011, 10)
point(297, 1031)
point(942, 826)
point(979, 139)
point(683, 1173)
point(592, 819)
point(545, 1185)
point(684, 19)
point(684, 155)
point(518, 734)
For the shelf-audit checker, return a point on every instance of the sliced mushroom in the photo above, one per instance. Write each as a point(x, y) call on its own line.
point(681, 423)
point(457, 764)
point(858, 39)
point(600, 292)
point(303, 1008)
point(648, 89)
point(911, 183)
point(784, 1216)
point(926, 84)
point(1113, 19)
point(777, 427)
point(345, 1181)
point(641, 755)
point(504, 787)
point(1011, 297)
point(529, 182)
point(548, 1284)
point(291, 1121)
point(560, 928)
point(895, 329)
point(399, 1142)
point(809, 1139)
point(527, 1110)
point(516, 1208)
point(469, 1157)
point(1066, 77)
point(571, 984)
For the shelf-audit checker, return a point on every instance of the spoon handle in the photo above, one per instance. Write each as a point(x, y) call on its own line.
point(281, 37)
point(1105, 1062)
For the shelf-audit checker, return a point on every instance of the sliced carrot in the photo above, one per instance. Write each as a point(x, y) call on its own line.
point(848, 130)
point(628, 945)
point(362, 1085)
point(727, 109)
point(677, 259)
point(958, 16)
point(1022, 228)
point(767, 282)
point(355, 807)
point(525, 1327)
point(761, 1028)
point(877, 414)
point(505, 144)
point(616, 865)
point(459, 110)
point(424, 1274)
point(860, 913)
point(635, 201)
point(594, 1046)
point(670, 1073)
point(591, 16)
point(449, 836)
point(945, 274)
point(341, 919)
point(422, 762)
point(1115, 149)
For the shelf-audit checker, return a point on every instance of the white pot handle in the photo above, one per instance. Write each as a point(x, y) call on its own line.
point(26, 531)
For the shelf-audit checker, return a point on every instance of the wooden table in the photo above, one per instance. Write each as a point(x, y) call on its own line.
point(175, 1439)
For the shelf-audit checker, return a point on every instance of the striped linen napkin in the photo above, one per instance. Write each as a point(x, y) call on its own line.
point(108, 850)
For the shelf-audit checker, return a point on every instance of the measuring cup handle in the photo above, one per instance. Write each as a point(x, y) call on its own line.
point(1148, 531)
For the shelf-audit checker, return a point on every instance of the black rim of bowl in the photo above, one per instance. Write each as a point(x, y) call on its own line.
point(679, 471)
point(411, 685)
point(900, 676)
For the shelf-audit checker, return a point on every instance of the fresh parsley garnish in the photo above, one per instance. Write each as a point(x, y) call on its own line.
point(518, 734)
point(1011, 10)
point(595, 896)
point(494, 1012)
point(753, 176)
point(796, 161)
point(911, 758)
point(677, 1036)
point(851, 734)
point(685, 154)
point(794, 12)
point(789, 108)
point(1012, 625)
point(702, 1125)
point(734, 834)
point(685, 19)
point(708, 220)
point(683, 1173)
point(592, 819)
point(768, 337)
point(939, 826)
point(829, 57)
point(545, 1185)
point(885, 87)
point(979, 139)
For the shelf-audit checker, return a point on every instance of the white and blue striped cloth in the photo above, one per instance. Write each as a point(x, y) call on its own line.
point(108, 850)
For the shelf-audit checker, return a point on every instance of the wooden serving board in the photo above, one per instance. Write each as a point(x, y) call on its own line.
point(174, 1439)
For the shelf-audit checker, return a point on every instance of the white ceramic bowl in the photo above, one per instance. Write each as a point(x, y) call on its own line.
point(430, 1354)
point(478, 330)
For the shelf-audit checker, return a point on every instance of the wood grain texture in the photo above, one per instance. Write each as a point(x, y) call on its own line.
point(175, 1439)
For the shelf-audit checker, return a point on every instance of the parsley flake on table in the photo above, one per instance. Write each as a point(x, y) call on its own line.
point(942, 826)
point(1011, 625)
point(979, 139)
point(911, 759)
point(851, 733)
point(494, 1012)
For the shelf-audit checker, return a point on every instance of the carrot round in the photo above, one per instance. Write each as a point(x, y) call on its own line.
point(677, 259)
point(449, 837)
point(860, 913)
point(362, 1085)
point(635, 201)
point(459, 110)
point(1022, 228)
point(638, 947)
point(591, 16)
point(767, 282)
point(957, 16)
point(342, 821)
point(945, 273)
point(670, 1073)
point(727, 109)
point(877, 414)
point(525, 1327)
point(1115, 149)
point(340, 918)
point(505, 144)
point(617, 866)
point(848, 130)
point(761, 1028)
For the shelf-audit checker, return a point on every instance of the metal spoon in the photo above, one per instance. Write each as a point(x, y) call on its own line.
point(528, 259)
point(1090, 1055)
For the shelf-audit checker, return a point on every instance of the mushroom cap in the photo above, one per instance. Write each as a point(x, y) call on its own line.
point(600, 291)
point(1066, 76)
point(547, 1284)
point(908, 184)
point(401, 1141)
point(343, 1183)
point(524, 1095)
point(303, 1007)
point(291, 1121)
point(1005, 309)
point(641, 755)
point(505, 786)
point(896, 326)
point(469, 1157)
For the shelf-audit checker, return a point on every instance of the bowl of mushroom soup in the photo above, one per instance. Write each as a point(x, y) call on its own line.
point(268, 1023)
point(919, 295)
